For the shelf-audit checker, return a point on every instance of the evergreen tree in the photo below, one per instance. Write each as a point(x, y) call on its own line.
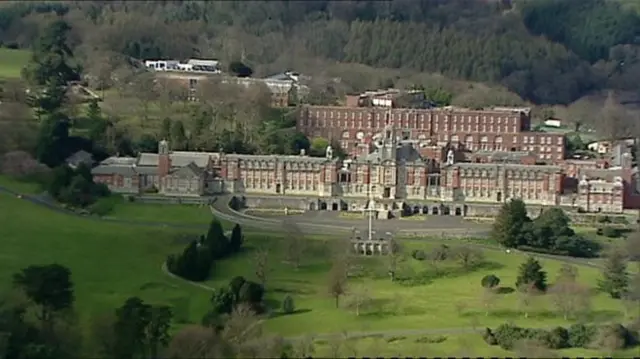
point(216, 241)
point(531, 273)
point(615, 279)
point(178, 135)
point(51, 60)
point(236, 239)
point(165, 129)
point(94, 113)
point(508, 226)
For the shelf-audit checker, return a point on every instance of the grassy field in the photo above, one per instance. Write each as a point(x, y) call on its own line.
point(12, 62)
point(162, 213)
point(19, 186)
point(111, 262)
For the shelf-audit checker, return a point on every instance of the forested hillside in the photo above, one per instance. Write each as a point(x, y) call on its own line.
point(547, 51)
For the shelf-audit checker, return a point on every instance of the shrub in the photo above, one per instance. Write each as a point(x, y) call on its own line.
point(488, 337)
point(507, 335)
point(558, 338)
point(288, 306)
point(611, 232)
point(103, 206)
point(613, 337)
point(580, 335)
point(490, 281)
point(419, 255)
point(604, 219)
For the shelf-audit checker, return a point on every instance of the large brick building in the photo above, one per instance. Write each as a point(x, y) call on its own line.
point(394, 172)
point(496, 129)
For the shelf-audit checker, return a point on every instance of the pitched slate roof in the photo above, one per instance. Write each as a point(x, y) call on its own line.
point(188, 171)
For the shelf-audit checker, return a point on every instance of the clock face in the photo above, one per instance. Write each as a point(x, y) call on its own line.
point(360, 135)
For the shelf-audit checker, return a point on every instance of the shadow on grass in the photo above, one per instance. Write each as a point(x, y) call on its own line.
point(593, 316)
point(156, 285)
point(281, 314)
point(298, 291)
point(428, 276)
point(388, 307)
point(504, 290)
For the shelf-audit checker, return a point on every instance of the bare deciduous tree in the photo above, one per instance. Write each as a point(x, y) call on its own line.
point(198, 342)
point(262, 265)
point(527, 293)
point(531, 348)
point(438, 255)
point(294, 243)
point(488, 299)
point(305, 347)
point(360, 299)
point(569, 296)
point(468, 257)
point(338, 280)
point(394, 253)
point(19, 164)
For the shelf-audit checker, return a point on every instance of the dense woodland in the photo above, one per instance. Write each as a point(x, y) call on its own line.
point(547, 51)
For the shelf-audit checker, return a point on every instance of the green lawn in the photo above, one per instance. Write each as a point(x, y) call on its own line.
point(12, 62)
point(163, 213)
point(19, 186)
point(111, 262)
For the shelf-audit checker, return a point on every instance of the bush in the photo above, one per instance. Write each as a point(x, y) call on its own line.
point(104, 206)
point(419, 255)
point(558, 338)
point(490, 281)
point(507, 335)
point(611, 232)
point(580, 335)
point(288, 306)
point(600, 231)
point(488, 337)
point(604, 219)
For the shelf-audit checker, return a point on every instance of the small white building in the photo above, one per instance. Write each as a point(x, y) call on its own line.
point(553, 122)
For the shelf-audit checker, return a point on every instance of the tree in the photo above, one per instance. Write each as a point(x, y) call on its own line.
point(360, 299)
point(490, 281)
point(236, 239)
point(468, 257)
point(527, 292)
point(394, 253)
point(507, 228)
point(288, 306)
point(318, 147)
point(198, 342)
point(438, 254)
point(165, 129)
point(130, 327)
point(216, 241)
point(261, 261)
point(51, 56)
point(178, 135)
point(615, 279)
point(294, 243)
point(337, 280)
point(633, 246)
point(569, 297)
point(488, 298)
point(530, 272)
point(50, 287)
point(239, 69)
